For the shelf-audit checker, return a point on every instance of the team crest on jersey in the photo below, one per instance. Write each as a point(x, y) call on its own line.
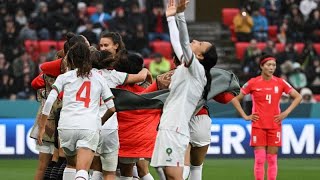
point(276, 89)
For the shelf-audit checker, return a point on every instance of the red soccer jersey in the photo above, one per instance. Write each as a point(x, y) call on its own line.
point(266, 99)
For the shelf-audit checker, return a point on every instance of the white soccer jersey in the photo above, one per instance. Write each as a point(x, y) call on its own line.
point(81, 100)
point(186, 90)
point(114, 78)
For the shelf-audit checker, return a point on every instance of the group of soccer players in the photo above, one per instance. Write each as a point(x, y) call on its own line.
point(88, 127)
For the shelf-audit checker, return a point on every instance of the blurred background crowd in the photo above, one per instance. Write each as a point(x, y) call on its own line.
point(31, 32)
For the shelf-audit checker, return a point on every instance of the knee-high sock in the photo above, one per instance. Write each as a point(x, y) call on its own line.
point(259, 160)
point(69, 173)
point(48, 170)
point(135, 172)
point(62, 163)
point(272, 160)
point(82, 175)
point(147, 177)
point(195, 172)
point(97, 175)
point(186, 171)
point(160, 172)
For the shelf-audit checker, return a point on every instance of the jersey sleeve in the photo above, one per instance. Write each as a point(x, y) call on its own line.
point(287, 88)
point(119, 77)
point(174, 37)
point(246, 88)
point(106, 93)
point(58, 84)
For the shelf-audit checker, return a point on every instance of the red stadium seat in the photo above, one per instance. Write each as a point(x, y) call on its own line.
point(317, 47)
point(263, 11)
point(280, 47)
point(46, 44)
point(146, 62)
point(299, 47)
point(60, 45)
point(91, 10)
point(228, 14)
point(240, 49)
point(261, 45)
point(28, 43)
point(272, 32)
point(162, 47)
point(317, 97)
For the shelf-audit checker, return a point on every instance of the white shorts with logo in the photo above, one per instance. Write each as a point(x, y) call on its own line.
point(169, 149)
point(108, 149)
point(72, 139)
point(46, 147)
point(200, 130)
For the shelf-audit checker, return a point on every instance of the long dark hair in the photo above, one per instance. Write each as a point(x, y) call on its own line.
point(210, 59)
point(102, 59)
point(79, 57)
point(72, 39)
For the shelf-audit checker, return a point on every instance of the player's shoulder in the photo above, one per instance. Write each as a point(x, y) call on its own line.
point(68, 74)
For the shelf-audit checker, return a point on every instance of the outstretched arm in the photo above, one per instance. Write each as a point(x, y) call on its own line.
point(173, 29)
point(184, 35)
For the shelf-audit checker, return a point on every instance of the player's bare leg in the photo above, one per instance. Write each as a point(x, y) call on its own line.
point(43, 162)
point(173, 172)
point(143, 170)
point(186, 168)
point(96, 166)
point(84, 160)
point(70, 170)
point(126, 170)
point(197, 156)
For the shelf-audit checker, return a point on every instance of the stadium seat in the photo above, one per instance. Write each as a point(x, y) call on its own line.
point(91, 10)
point(228, 14)
point(261, 45)
point(240, 49)
point(272, 33)
point(317, 47)
point(263, 11)
point(28, 43)
point(45, 45)
point(60, 45)
point(280, 47)
point(299, 47)
point(317, 97)
point(162, 47)
point(146, 62)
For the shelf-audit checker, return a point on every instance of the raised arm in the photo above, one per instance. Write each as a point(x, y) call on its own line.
point(173, 29)
point(184, 35)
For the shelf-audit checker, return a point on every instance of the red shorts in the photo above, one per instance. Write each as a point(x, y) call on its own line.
point(265, 137)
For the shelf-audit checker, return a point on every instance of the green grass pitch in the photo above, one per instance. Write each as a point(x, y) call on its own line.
point(226, 169)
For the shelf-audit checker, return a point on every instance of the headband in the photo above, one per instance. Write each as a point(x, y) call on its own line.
point(267, 59)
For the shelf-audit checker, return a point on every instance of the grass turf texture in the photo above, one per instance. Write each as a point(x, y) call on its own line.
point(227, 169)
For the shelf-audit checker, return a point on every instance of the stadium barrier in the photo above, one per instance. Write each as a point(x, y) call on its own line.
point(229, 138)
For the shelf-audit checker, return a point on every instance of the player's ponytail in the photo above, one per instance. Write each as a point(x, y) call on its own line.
point(79, 57)
point(210, 60)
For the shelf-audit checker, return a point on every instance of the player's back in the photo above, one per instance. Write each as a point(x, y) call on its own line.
point(81, 100)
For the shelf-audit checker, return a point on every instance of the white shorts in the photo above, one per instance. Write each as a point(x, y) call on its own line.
point(109, 161)
point(46, 147)
point(108, 141)
point(169, 149)
point(72, 139)
point(200, 130)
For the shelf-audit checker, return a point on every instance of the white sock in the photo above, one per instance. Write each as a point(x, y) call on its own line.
point(82, 175)
point(160, 173)
point(147, 177)
point(195, 172)
point(97, 175)
point(186, 171)
point(125, 178)
point(135, 171)
point(69, 174)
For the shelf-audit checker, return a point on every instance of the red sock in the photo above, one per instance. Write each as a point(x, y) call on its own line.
point(259, 160)
point(272, 166)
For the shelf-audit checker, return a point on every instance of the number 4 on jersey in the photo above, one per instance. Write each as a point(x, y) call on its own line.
point(84, 87)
